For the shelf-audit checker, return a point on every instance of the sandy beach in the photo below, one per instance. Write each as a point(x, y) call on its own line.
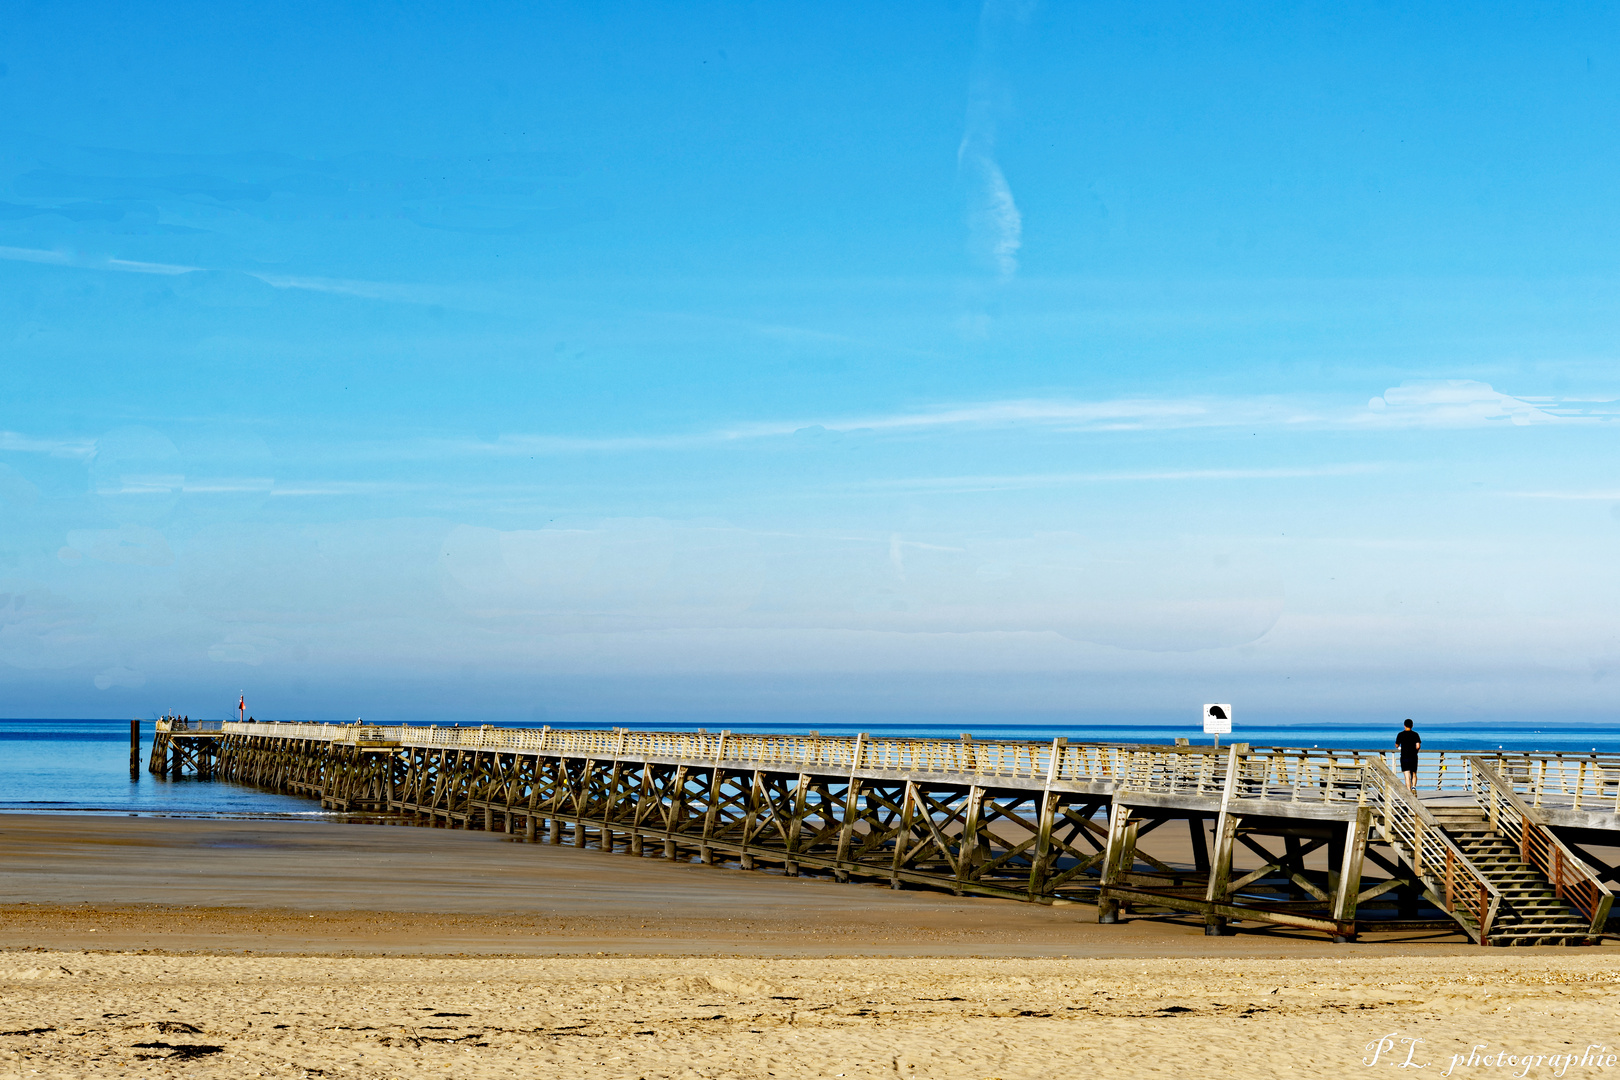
point(139, 946)
point(100, 1013)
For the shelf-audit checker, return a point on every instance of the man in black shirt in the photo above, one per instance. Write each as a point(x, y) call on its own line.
point(1409, 743)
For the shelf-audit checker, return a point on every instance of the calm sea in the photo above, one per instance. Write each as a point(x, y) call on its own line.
point(83, 765)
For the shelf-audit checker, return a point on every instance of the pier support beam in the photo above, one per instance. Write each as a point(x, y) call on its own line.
point(1226, 825)
point(795, 833)
point(902, 839)
point(1200, 843)
point(1220, 871)
point(1116, 863)
point(1348, 887)
point(1040, 860)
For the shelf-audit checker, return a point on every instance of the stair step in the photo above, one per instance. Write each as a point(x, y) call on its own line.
point(1552, 923)
point(1532, 912)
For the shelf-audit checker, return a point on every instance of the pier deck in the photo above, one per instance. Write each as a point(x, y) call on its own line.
point(1321, 839)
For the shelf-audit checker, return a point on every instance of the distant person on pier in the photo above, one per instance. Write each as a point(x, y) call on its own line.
point(1409, 743)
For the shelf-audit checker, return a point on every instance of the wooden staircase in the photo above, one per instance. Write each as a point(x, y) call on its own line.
point(1531, 913)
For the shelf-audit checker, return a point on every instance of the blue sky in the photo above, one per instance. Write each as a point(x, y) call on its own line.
point(596, 362)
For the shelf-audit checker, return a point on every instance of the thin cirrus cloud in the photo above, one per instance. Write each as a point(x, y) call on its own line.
point(1467, 403)
point(1437, 404)
point(93, 262)
point(370, 290)
point(995, 225)
point(1441, 405)
point(1610, 495)
point(1125, 415)
point(29, 444)
point(969, 484)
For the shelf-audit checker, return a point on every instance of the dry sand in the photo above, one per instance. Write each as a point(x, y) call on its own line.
point(100, 1014)
point(141, 947)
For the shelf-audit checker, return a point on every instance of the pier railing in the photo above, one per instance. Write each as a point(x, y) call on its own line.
point(1269, 772)
point(1510, 816)
point(179, 725)
point(1286, 773)
point(1563, 781)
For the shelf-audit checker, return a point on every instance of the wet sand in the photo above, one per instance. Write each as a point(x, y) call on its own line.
point(163, 883)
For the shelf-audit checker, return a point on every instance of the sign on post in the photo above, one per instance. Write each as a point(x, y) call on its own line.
point(1217, 721)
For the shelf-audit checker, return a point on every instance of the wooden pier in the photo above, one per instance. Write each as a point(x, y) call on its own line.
point(180, 744)
point(1504, 847)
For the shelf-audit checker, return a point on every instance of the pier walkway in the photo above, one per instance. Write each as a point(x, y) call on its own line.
point(1508, 848)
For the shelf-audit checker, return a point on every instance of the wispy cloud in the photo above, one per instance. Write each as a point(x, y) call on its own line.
point(1427, 404)
point(370, 290)
point(1120, 413)
point(92, 262)
point(29, 444)
point(227, 485)
point(995, 226)
point(1611, 495)
point(971, 484)
point(1466, 403)
point(1453, 404)
point(319, 488)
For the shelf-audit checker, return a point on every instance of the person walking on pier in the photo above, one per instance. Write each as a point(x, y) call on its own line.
point(1409, 743)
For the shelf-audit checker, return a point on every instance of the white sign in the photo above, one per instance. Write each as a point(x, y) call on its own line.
point(1217, 719)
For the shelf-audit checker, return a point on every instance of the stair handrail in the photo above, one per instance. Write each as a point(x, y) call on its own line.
point(1454, 884)
point(1572, 880)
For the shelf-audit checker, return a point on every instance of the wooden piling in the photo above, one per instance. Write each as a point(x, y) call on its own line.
point(1113, 872)
point(1348, 886)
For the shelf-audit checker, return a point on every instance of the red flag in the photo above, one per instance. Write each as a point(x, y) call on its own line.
point(241, 705)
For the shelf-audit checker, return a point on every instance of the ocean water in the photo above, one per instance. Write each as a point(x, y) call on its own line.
point(83, 765)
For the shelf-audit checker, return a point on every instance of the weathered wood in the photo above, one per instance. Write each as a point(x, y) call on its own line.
point(1119, 816)
point(795, 831)
point(846, 831)
point(1348, 887)
point(1043, 847)
point(1220, 873)
point(1200, 843)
